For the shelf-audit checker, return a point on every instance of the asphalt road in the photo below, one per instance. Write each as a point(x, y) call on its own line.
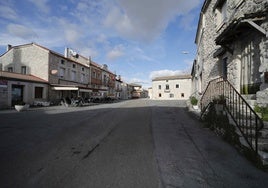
point(136, 143)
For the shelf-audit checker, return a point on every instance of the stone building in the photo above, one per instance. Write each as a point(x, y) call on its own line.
point(232, 42)
point(15, 88)
point(102, 80)
point(171, 87)
point(66, 78)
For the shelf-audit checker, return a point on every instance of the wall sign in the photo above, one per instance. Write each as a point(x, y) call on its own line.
point(3, 83)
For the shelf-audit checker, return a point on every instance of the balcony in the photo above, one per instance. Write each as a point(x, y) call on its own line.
point(167, 91)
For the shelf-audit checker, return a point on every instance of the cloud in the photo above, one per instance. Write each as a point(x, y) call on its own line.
point(88, 51)
point(41, 5)
point(116, 52)
point(165, 72)
point(8, 13)
point(21, 31)
point(133, 19)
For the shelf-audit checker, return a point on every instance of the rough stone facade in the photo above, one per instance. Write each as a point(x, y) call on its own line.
point(232, 42)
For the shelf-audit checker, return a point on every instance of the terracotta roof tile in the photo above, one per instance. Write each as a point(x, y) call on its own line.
point(172, 77)
point(17, 76)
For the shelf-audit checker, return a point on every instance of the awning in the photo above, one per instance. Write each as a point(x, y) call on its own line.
point(64, 88)
point(237, 28)
point(85, 90)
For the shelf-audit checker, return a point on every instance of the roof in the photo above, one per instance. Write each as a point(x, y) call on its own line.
point(173, 77)
point(135, 85)
point(62, 56)
point(24, 77)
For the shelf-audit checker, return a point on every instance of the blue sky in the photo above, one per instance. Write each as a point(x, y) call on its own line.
point(137, 39)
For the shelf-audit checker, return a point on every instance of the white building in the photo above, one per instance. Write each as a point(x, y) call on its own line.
point(171, 87)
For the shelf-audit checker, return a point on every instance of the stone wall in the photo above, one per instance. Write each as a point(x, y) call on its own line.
point(210, 67)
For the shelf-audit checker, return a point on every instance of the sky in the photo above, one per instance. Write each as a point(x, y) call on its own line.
point(137, 39)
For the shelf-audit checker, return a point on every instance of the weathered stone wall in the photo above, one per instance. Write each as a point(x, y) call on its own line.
point(33, 57)
point(210, 67)
point(206, 64)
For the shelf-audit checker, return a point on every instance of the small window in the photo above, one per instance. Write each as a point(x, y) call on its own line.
point(167, 87)
point(182, 95)
point(83, 69)
point(94, 74)
point(221, 12)
point(10, 69)
point(171, 95)
point(73, 75)
point(23, 70)
point(159, 95)
point(62, 72)
point(83, 77)
point(166, 80)
point(62, 62)
point(38, 93)
point(159, 86)
point(74, 65)
point(177, 86)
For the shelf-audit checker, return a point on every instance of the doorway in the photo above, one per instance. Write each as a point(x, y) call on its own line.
point(17, 94)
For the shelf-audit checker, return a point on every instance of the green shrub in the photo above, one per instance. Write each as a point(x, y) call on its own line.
point(263, 111)
point(194, 101)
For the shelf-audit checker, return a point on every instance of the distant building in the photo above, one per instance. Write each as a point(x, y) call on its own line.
point(171, 87)
point(150, 92)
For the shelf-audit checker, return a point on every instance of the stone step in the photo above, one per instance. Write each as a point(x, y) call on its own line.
point(263, 144)
point(264, 157)
point(249, 97)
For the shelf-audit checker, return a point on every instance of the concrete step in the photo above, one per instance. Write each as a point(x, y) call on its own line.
point(264, 157)
point(249, 97)
point(263, 144)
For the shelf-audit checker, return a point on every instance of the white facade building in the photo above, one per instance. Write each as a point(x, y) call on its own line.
point(171, 87)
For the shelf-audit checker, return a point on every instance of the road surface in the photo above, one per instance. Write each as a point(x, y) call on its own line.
point(136, 143)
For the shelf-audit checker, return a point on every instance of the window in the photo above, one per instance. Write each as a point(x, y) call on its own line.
point(83, 69)
point(159, 86)
point(23, 70)
point(10, 69)
point(166, 80)
point(159, 95)
point(171, 95)
point(221, 12)
point(83, 77)
point(74, 65)
point(94, 74)
point(62, 62)
point(62, 72)
point(73, 75)
point(182, 95)
point(177, 86)
point(167, 87)
point(38, 92)
point(224, 68)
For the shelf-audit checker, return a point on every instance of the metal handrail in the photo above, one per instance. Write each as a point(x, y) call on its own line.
point(245, 118)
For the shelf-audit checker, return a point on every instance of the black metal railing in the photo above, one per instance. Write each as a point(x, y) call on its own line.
point(245, 118)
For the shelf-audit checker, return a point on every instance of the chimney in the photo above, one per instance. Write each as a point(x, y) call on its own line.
point(9, 47)
point(66, 52)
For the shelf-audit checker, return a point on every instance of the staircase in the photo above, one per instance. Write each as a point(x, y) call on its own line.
point(239, 109)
